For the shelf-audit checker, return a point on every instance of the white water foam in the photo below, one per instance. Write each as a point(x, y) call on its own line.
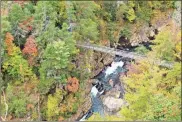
point(94, 91)
point(113, 67)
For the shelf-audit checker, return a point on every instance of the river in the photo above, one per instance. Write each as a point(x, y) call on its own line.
point(102, 85)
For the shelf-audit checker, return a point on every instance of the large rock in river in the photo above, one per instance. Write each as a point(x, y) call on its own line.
point(112, 101)
point(113, 104)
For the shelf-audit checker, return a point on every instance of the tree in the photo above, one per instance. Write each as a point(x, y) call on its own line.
point(177, 49)
point(14, 64)
point(9, 43)
point(87, 30)
point(30, 49)
point(56, 59)
point(112, 30)
point(108, 10)
point(26, 25)
point(152, 93)
point(69, 106)
point(162, 5)
point(66, 12)
point(20, 19)
point(85, 9)
point(45, 19)
point(130, 15)
point(18, 15)
point(53, 109)
point(72, 84)
point(165, 47)
point(144, 11)
point(5, 25)
point(97, 117)
point(16, 101)
point(129, 12)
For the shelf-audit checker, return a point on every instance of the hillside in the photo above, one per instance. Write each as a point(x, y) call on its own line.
point(90, 61)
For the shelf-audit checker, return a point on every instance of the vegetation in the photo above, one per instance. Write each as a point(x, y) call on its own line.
point(44, 74)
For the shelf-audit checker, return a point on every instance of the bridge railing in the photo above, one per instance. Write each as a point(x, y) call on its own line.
point(126, 54)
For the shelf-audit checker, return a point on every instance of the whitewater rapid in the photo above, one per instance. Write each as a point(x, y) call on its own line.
point(95, 93)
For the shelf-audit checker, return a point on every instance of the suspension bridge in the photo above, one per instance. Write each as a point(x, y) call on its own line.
point(123, 53)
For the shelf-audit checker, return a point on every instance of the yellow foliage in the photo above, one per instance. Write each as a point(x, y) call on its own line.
point(53, 105)
point(152, 90)
point(178, 47)
point(97, 117)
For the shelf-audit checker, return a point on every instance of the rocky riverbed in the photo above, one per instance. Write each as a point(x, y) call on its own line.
point(107, 90)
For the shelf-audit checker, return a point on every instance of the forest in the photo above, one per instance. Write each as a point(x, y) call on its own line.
point(45, 74)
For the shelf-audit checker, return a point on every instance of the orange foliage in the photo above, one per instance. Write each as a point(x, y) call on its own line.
point(60, 118)
point(29, 87)
point(72, 84)
point(30, 46)
point(30, 49)
point(63, 108)
point(26, 24)
point(4, 12)
point(9, 43)
point(9, 117)
point(30, 106)
point(104, 42)
point(133, 69)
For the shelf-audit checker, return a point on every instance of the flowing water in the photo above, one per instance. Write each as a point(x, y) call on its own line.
point(110, 72)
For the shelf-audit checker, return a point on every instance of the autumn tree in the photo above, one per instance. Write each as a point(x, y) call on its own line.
point(26, 25)
point(30, 49)
point(14, 64)
point(149, 93)
point(164, 48)
point(9, 43)
point(177, 49)
point(20, 19)
point(69, 106)
point(72, 84)
point(53, 104)
point(129, 11)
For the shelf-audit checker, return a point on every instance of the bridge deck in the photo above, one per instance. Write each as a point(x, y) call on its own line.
point(125, 54)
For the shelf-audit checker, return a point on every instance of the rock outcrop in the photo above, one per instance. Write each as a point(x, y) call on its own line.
point(113, 104)
point(99, 62)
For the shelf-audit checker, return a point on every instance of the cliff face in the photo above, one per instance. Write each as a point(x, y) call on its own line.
point(143, 32)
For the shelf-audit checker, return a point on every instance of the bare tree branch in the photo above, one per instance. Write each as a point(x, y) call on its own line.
point(6, 113)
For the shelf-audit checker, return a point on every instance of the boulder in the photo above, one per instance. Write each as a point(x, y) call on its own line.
point(112, 101)
point(108, 59)
point(97, 68)
point(95, 72)
point(151, 33)
point(114, 92)
point(111, 82)
point(113, 104)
